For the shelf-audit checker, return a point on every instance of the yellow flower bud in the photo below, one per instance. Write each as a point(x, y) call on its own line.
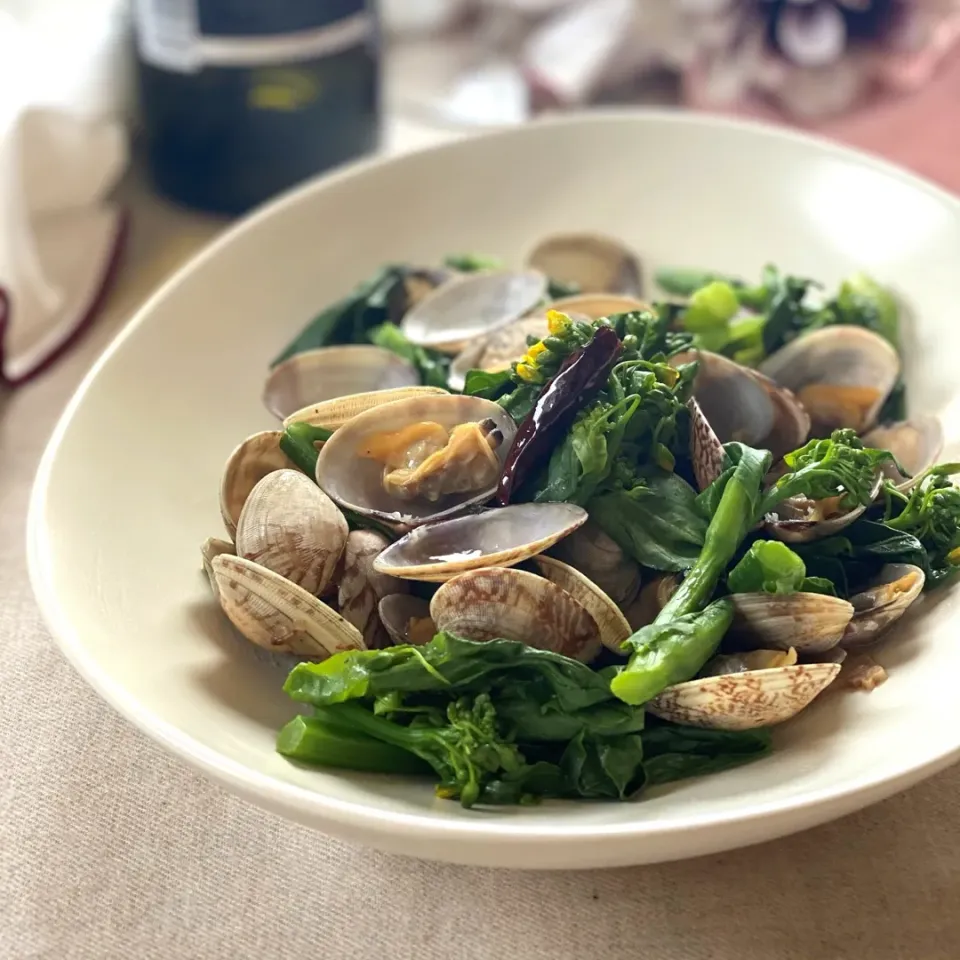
point(535, 351)
point(558, 323)
point(527, 371)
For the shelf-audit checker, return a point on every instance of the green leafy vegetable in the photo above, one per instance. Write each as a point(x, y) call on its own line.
point(672, 752)
point(931, 513)
point(433, 366)
point(684, 636)
point(348, 320)
point(490, 386)
point(684, 282)
point(497, 722)
point(838, 466)
point(863, 302)
point(653, 517)
point(709, 312)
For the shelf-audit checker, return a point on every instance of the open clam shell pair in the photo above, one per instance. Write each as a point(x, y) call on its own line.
point(813, 623)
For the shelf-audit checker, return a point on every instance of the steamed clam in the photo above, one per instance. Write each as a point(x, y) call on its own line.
point(274, 613)
point(333, 414)
point(289, 525)
point(362, 588)
point(212, 547)
point(595, 306)
point(494, 602)
point(881, 604)
point(745, 700)
point(406, 618)
point(326, 373)
point(807, 622)
point(249, 463)
point(590, 261)
point(503, 537)
point(472, 306)
point(744, 405)
point(841, 374)
point(416, 460)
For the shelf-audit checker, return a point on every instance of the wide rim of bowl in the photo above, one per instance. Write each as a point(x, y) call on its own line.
point(613, 844)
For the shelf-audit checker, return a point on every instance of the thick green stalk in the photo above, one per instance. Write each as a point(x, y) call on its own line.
point(299, 444)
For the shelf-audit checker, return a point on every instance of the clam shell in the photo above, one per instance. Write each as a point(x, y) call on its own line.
point(246, 466)
point(290, 526)
point(841, 374)
point(916, 443)
point(276, 614)
point(495, 538)
point(744, 405)
point(593, 306)
point(502, 602)
point(356, 482)
point(497, 351)
point(314, 376)
point(613, 625)
point(333, 414)
point(742, 701)
point(595, 263)
point(407, 618)
point(706, 451)
point(472, 306)
point(882, 604)
point(807, 622)
point(212, 547)
point(362, 587)
point(599, 558)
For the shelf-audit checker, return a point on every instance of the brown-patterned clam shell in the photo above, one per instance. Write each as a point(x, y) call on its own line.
point(706, 451)
point(278, 615)
point(808, 622)
point(213, 547)
point(742, 701)
point(613, 625)
point(500, 602)
point(290, 526)
point(246, 466)
point(333, 414)
point(362, 587)
point(600, 559)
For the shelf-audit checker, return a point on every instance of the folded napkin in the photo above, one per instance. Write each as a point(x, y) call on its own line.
point(63, 89)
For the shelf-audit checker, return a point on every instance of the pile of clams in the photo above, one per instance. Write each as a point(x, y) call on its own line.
point(392, 538)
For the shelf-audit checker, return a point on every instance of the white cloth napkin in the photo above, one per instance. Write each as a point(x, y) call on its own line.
point(63, 103)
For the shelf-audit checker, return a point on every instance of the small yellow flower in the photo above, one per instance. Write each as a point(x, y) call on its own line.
point(558, 323)
point(527, 371)
point(535, 352)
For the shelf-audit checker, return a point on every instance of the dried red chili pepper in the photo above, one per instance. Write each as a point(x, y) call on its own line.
point(581, 376)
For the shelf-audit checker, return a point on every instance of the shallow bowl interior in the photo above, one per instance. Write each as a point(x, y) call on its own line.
point(128, 488)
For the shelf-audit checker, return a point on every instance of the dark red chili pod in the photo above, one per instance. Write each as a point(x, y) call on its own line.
point(579, 379)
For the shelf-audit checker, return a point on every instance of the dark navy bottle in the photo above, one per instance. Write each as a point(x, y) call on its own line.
point(241, 99)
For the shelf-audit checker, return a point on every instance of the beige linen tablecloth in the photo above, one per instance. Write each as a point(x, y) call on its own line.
point(109, 848)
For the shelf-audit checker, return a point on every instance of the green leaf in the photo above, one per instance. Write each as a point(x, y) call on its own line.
point(490, 386)
point(472, 262)
point(683, 282)
point(769, 566)
point(657, 521)
point(673, 752)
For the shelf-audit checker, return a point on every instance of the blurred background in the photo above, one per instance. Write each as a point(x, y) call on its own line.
point(207, 108)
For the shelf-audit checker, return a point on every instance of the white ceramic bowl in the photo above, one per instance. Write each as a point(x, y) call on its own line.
point(127, 489)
